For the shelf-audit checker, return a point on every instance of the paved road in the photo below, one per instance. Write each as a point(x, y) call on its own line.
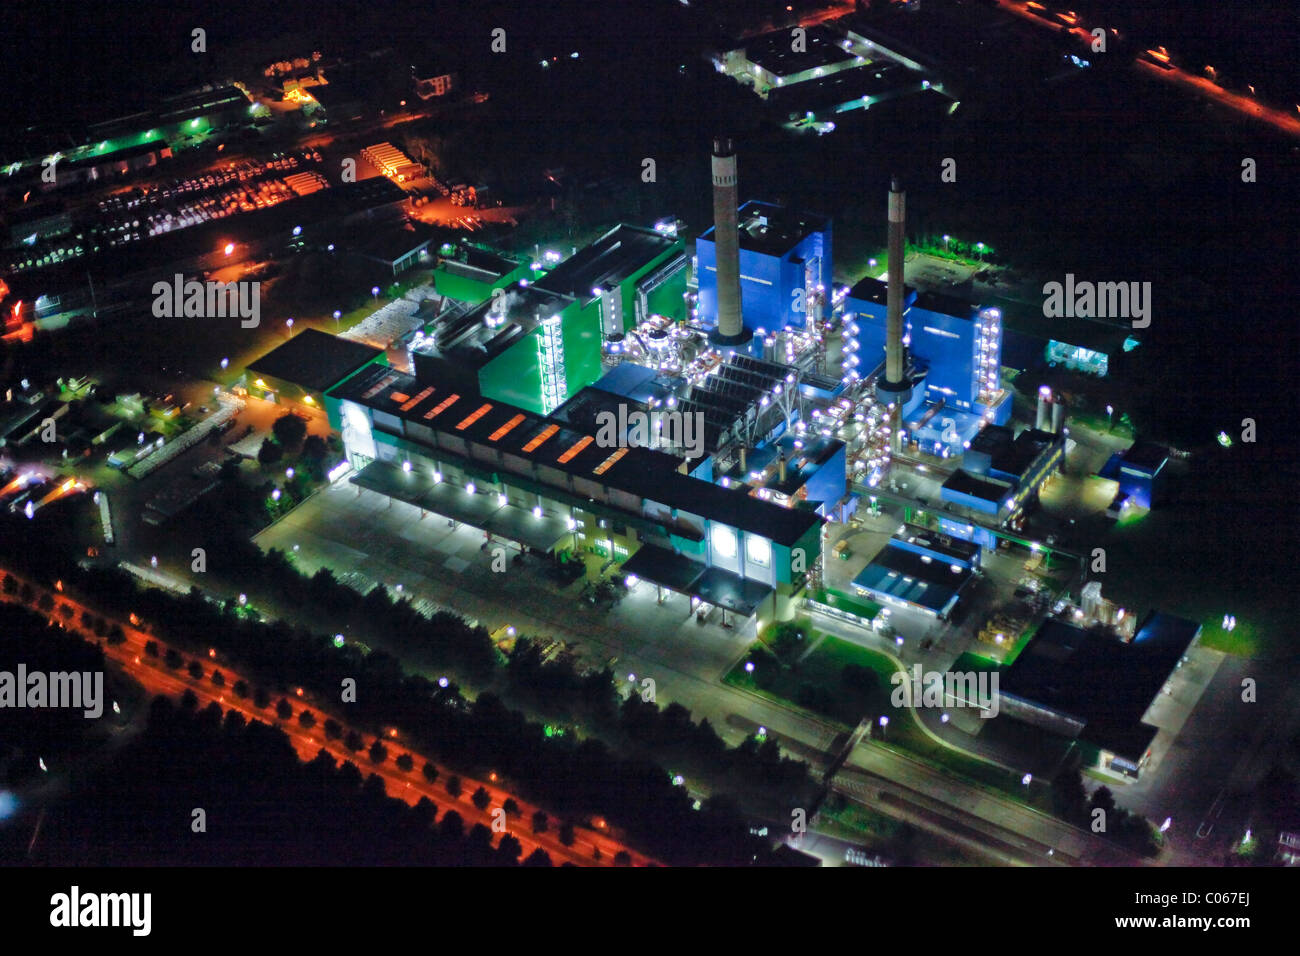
point(409, 786)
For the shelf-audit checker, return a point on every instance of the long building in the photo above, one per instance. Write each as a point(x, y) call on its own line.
point(522, 477)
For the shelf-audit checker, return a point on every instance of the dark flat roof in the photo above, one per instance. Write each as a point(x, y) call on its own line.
point(947, 305)
point(871, 289)
point(772, 51)
point(1146, 455)
point(943, 544)
point(904, 575)
point(989, 489)
point(396, 241)
point(314, 360)
point(773, 230)
point(639, 471)
point(610, 259)
point(1096, 677)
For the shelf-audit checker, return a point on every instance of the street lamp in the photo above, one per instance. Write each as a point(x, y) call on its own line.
point(337, 315)
point(289, 324)
point(374, 291)
point(979, 246)
point(884, 724)
point(945, 242)
point(1110, 413)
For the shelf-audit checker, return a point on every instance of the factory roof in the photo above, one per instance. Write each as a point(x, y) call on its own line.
point(484, 260)
point(906, 576)
point(947, 305)
point(562, 447)
point(773, 51)
point(871, 289)
point(467, 338)
point(396, 241)
point(986, 489)
point(842, 87)
point(1098, 678)
point(1017, 457)
point(314, 360)
point(771, 229)
point(946, 545)
point(612, 258)
point(1146, 455)
point(991, 439)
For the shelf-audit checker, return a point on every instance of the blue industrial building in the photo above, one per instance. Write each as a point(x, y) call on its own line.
point(1138, 471)
point(920, 569)
point(785, 268)
point(956, 351)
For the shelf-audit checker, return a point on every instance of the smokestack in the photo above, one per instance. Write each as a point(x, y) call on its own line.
point(744, 463)
point(726, 241)
point(1058, 417)
point(895, 388)
point(1043, 420)
point(894, 301)
point(781, 468)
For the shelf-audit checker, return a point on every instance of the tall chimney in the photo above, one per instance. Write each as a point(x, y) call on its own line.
point(895, 388)
point(726, 242)
point(1043, 419)
point(894, 300)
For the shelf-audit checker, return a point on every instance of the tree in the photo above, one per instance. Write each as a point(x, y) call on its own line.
point(510, 849)
point(353, 741)
point(314, 450)
point(151, 648)
point(453, 786)
point(283, 709)
point(46, 603)
point(430, 772)
point(261, 697)
point(567, 836)
point(269, 453)
point(510, 807)
point(307, 719)
point(196, 670)
point(173, 658)
point(622, 858)
point(538, 857)
point(11, 584)
point(333, 729)
point(405, 763)
point(218, 678)
point(481, 798)
point(540, 821)
point(378, 752)
point(290, 430)
point(118, 636)
point(189, 700)
point(241, 688)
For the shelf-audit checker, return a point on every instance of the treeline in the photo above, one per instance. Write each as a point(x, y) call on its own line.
point(582, 777)
point(29, 734)
point(260, 806)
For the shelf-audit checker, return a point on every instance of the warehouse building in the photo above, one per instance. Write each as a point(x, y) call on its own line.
point(1090, 685)
point(542, 483)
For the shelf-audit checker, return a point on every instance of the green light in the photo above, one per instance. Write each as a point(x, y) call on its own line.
point(1224, 440)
